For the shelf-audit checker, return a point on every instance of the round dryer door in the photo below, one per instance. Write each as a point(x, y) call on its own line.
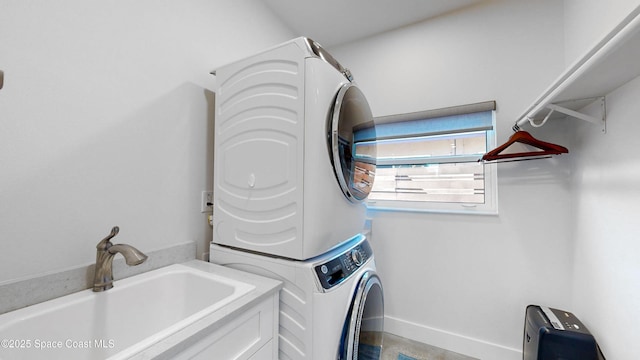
point(354, 166)
point(362, 334)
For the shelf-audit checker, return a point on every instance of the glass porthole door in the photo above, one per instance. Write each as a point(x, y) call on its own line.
point(351, 114)
point(365, 325)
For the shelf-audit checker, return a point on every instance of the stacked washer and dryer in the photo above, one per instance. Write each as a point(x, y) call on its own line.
point(288, 191)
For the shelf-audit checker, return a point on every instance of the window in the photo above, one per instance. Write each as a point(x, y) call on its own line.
point(428, 161)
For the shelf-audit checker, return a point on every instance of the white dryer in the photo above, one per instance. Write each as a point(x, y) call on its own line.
point(286, 180)
point(331, 306)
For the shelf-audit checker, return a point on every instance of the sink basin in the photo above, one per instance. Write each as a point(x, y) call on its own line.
point(135, 314)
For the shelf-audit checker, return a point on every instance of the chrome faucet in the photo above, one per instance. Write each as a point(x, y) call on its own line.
point(103, 277)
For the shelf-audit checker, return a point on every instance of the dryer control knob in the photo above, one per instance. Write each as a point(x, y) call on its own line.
point(357, 257)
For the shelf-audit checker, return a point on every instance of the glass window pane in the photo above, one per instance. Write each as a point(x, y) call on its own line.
point(458, 183)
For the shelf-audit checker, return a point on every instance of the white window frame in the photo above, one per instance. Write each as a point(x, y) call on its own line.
point(490, 205)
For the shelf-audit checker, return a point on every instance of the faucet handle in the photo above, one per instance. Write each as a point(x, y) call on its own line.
point(103, 243)
point(114, 231)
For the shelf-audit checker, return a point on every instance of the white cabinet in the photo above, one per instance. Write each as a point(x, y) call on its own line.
point(251, 335)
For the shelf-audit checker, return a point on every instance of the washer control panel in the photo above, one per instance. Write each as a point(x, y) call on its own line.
point(338, 269)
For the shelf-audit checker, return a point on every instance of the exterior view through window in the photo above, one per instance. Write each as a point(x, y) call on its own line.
point(428, 161)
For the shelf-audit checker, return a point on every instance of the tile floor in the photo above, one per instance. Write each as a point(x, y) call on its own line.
point(398, 348)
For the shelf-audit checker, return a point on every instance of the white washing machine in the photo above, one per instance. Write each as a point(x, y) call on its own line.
point(331, 306)
point(285, 174)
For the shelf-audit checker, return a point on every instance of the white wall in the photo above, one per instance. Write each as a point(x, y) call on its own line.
point(607, 266)
point(105, 120)
point(463, 282)
point(606, 275)
point(588, 21)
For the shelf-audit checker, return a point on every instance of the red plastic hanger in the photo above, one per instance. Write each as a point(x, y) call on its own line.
point(525, 138)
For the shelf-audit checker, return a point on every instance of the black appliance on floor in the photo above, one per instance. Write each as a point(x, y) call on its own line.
point(552, 334)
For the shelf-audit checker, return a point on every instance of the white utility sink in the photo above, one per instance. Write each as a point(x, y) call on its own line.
point(135, 314)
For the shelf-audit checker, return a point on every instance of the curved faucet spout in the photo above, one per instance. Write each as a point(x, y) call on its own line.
point(106, 251)
point(132, 256)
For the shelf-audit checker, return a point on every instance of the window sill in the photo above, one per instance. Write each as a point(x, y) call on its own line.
point(459, 209)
